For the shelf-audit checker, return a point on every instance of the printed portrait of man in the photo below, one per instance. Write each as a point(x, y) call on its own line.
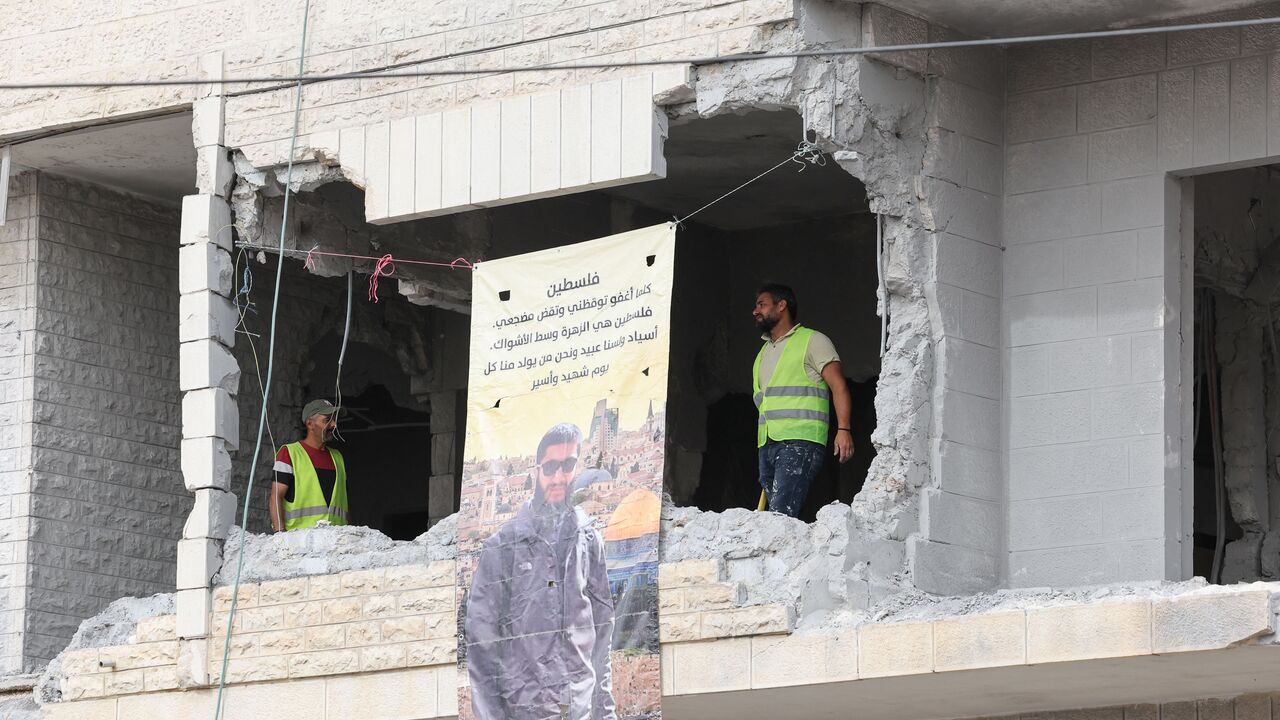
point(539, 616)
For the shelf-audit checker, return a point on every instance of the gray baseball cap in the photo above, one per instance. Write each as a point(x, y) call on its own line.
point(318, 407)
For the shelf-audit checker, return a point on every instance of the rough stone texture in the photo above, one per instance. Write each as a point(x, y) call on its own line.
point(878, 134)
point(20, 709)
point(17, 320)
point(811, 569)
point(327, 550)
point(1209, 622)
point(115, 625)
point(102, 503)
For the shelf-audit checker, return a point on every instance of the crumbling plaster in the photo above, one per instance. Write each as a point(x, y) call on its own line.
point(873, 120)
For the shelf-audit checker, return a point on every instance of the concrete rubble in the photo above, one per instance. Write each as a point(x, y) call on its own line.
point(23, 708)
point(115, 625)
point(825, 571)
point(327, 550)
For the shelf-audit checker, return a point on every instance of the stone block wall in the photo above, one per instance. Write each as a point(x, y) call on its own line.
point(91, 497)
point(17, 320)
point(324, 625)
point(333, 624)
point(697, 604)
point(106, 499)
point(193, 40)
point(475, 36)
point(365, 630)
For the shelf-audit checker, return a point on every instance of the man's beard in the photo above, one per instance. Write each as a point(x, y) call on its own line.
point(766, 323)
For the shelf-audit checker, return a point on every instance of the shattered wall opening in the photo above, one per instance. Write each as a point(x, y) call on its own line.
point(386, 409)
point(1236, 426)
point(806, 227)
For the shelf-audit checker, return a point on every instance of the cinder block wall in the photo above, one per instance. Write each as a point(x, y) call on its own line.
point(961, 515)
point(959, 546)
point(106, 499)
point(1094, 288)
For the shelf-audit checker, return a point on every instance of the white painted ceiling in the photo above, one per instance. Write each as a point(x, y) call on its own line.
point(153, 158)
point(1003, 18)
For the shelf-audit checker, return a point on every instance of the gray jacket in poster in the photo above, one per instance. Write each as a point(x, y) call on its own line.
point(539, 620)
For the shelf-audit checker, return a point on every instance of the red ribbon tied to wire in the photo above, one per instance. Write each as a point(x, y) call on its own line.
point(384, 268)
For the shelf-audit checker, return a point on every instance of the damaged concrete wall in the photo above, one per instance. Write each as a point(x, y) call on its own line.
point(935, 438)
point(390, 344)
point(97, 501)
point(928, 151)
point(877, 122)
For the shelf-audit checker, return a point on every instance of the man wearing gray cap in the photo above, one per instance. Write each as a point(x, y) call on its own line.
point(311, 477)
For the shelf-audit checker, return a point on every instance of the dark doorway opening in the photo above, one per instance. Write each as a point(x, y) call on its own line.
point(730, 462)
point(1236, 371)
point(388, 455)
point(384, 434)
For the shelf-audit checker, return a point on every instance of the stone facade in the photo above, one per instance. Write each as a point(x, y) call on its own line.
point(361, 629)
point(94, 506)
point(1033, 400)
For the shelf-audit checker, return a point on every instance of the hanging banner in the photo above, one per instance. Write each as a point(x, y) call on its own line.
point(562, 482)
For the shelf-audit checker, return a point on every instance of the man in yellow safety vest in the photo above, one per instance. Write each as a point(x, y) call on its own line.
point(797, 377)
point(311, 477)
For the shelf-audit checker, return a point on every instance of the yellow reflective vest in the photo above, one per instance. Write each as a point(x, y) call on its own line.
point(308, 506)
point(792, 407)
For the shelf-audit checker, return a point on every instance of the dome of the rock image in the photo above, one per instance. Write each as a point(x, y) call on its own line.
point(638, 514)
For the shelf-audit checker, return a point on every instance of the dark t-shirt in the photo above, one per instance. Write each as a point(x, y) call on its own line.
point(326, 473)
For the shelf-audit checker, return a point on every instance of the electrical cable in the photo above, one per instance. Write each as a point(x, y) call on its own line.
point(342, 353)
point(271, 354)
point(300, 79)
point(805, 152)
point(457, 263)
point(244, 330)
point(1215, 429)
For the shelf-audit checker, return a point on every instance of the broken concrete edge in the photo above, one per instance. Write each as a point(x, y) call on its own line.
point(115, 625)
point(1120, 622)
point(326, 550)
point(20, 708)
point(773, 560)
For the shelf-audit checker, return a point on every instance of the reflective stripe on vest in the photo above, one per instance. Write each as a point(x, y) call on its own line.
point(792, 407)
point(314, 510)
point(788, 391)
point(308, 506)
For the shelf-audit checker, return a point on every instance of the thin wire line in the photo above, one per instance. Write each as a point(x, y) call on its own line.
point(271, 357)
point(458, 263)
point(806, 151)
point(739, 57)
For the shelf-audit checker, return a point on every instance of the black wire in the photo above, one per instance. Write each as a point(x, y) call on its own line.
point(739, 57)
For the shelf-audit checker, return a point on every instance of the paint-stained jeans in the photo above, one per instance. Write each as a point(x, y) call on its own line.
point(787, 467)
